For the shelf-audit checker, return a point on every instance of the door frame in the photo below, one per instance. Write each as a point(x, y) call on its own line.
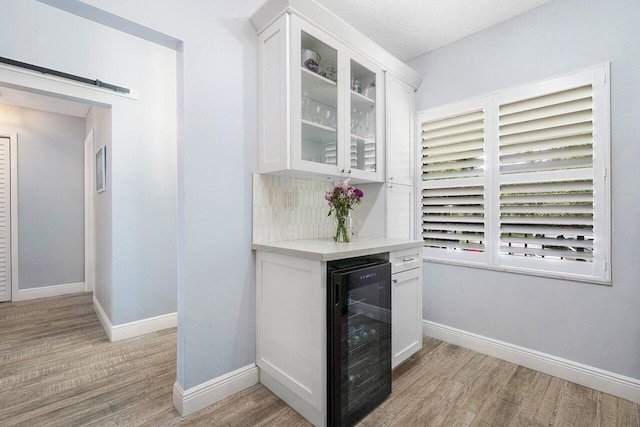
point(89, 213)
point(89, 226)
point(31, 81)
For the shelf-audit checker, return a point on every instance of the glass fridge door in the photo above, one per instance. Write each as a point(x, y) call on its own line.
point(360, 348)
point(367, 355)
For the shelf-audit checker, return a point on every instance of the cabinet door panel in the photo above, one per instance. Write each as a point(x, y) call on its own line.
point(291, 324)
point(400, 212)
point(406, 315)
point(273, 152)
point(401, 141)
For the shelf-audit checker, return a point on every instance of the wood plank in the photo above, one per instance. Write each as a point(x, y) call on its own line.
point(99, 371)
point(503, 409)
point(444, 358)
point(138, 414)
point(493, 376)
point(79, 390)
point(38, 369)
point(459, 416)
point(377, 418)
point(434, 403)
point(284, 416)
point(112, 401)
point(616, 412)
point(577, 406)
point(539, 406)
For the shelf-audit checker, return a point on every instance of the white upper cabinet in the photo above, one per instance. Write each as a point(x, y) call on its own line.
point(401, 141)
point(401, 159)
point(400, 211)
point(319, 111)
point(323, 111)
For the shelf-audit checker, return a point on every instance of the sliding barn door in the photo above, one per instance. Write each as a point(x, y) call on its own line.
point(5, 221)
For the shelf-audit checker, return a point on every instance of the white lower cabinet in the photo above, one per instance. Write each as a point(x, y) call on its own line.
point(291, 324)
point(291, 331)
point(406, 304)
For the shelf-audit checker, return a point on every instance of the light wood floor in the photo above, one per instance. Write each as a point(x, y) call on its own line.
point(57, 368)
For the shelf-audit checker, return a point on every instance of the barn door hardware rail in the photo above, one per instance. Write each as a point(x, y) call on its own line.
point(68, 76)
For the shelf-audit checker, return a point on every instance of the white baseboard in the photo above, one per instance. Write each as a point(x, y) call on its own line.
point(144, 326)
point(102, 316)
point(598, 379)
point(135, 328)
point(48, 291)
point(196, 398)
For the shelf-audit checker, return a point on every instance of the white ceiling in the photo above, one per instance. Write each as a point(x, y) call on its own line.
point(409, 28)
point(40, 102)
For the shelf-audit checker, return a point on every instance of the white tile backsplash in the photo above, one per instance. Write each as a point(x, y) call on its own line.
point(308, 220)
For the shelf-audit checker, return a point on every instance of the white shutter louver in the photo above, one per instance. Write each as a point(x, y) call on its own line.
point(546, 176)
point(453, 214)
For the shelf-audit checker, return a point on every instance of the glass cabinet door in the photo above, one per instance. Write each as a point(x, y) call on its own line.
point(336, 119)
point(363, 118)
point(319, 101)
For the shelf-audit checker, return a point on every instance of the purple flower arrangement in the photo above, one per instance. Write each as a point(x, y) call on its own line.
point(341, 199)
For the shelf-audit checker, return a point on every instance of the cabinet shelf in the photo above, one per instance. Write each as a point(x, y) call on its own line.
point(319, 88)
point(319, 133)
point(361, 102)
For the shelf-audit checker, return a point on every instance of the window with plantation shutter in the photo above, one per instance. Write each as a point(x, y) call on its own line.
point(546, 176)
point(534, 197)
point(453, 212)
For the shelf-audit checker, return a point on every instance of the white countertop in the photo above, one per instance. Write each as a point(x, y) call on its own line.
point(328, 250)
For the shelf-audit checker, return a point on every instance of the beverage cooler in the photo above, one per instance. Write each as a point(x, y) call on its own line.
point(358, 338)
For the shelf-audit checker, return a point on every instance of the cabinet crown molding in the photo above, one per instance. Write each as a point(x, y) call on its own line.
point(335, 26)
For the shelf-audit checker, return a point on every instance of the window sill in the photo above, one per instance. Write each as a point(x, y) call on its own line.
point(514, 270)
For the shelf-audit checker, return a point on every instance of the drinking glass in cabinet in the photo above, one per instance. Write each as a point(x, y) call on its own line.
point(306, 101)
point(331, 73)
point(370, 91)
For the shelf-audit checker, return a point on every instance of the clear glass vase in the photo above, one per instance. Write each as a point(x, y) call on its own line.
point(343, 227)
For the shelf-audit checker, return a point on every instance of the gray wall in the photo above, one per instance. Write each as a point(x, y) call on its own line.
point(591, 324)
point(216, 156)
point(50, 196)
point(142, 160)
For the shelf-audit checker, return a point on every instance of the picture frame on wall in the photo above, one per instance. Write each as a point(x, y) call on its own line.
point(101, 169)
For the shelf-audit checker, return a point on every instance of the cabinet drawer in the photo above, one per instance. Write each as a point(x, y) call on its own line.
point(405, 259)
